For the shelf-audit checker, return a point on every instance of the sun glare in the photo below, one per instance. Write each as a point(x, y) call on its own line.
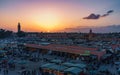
point(48, 21)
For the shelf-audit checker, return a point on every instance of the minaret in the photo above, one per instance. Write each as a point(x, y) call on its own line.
point(19, 27)
point(90, 31)
point(90, 34)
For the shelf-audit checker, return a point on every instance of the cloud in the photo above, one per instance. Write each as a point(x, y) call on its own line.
point(110, 11)
point(92, 16)
point(104, 15)
point(98, 16)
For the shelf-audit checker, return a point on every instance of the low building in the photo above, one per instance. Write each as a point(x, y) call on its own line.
point(66, 50)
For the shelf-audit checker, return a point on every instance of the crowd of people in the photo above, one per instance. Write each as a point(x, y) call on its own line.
point(16, 62)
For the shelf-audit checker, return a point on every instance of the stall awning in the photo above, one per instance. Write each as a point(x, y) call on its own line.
point(53, 67)
point(73, 70)
point(68, 64)
point(47, 65)
point(58, 67)
point(56, 61)
point(80, 65)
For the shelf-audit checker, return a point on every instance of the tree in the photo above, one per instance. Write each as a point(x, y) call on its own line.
point(5, 33)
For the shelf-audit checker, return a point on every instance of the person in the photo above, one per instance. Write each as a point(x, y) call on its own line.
point(4, 72)
point(0, 70)
point(7, 71)
point(28, 73)
point(50, 73)
point(82, 73)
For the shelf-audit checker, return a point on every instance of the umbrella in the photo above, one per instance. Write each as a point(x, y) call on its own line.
point(56, 61)
point(23, 62)
point(73, 70)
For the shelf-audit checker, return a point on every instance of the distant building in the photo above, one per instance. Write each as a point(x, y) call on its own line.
point(19, 28)
point(90, 31)
point(90, 35)
point(20, 33)
point(48, 35)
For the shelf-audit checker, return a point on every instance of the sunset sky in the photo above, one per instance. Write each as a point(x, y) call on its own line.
point(58, 15)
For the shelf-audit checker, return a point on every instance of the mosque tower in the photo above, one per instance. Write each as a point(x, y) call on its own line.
point(19, 27)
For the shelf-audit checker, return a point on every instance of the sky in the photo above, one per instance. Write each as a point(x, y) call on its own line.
point(58, 15)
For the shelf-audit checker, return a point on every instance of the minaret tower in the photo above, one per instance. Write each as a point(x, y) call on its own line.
point(90, 34)
point(19, 27)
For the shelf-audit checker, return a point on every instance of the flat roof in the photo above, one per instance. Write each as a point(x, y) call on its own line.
point(65, 48)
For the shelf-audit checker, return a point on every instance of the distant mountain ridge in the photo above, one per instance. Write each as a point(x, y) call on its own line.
point(102, 29)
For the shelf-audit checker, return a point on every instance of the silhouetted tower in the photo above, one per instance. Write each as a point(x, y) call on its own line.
point(90, 34)
point(90, 31)
point(19, 27)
